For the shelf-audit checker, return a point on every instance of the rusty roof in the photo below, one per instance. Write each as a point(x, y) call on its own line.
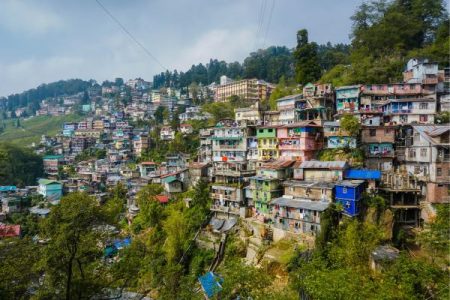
point(315, 164)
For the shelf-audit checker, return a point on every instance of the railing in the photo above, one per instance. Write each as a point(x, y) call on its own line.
point(430, 81)
point(225, 209)
point(229, 158)
point(398, 111)
point(443, 158)
point(380, 154)
point(222, 197)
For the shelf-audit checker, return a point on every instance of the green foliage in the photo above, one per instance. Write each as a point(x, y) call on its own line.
point(243, 281)
point(32, 129)
point(159, 114)
point(19, 268)
point(386, 33)
point(269, 64)
point(350, 124)
point(282, 89)
point(153, 261)
point(344, 273)
point(71, 259)
point(91, 153)
point(355, 157)
point(33, 97)
point(29, 224)
point(443, 117)
point(435, 235)
point(19, 166)
point(219, 111)
point(307, 68)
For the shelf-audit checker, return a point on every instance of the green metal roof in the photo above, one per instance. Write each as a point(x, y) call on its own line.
point(48, 181)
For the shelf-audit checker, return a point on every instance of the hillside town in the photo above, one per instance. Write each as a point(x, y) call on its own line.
point(265, 167)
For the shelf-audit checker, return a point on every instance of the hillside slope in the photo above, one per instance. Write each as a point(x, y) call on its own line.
point(32, 129)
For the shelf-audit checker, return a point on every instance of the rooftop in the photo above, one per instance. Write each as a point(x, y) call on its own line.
point(300, 203)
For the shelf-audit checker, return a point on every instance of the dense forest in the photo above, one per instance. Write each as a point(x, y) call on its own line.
point(19, 166)
point(33, 97)
point(269, 64)
point(385, 34)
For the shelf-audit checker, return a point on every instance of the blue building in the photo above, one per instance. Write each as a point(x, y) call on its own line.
point(349, 193)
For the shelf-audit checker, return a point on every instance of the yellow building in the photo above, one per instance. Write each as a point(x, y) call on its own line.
point(249, 90)
point(267, 143)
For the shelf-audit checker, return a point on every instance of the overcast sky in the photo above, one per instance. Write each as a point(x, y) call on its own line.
point(47, 40)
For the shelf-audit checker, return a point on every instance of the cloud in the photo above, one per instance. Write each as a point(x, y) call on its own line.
point(33, 72)
point(223, 44)
point(28, 17)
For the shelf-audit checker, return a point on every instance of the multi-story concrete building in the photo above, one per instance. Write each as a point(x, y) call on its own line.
point(409, 111)
point(427, 157)
point(267, 143)
point(348, 99)
point(249, 90)
point(300, 140)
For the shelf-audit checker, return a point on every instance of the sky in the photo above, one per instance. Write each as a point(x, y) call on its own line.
point(48, 40)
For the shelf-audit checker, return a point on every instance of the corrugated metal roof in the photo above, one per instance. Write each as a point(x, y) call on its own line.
point(363, 174)
point(278, 164)
point(315, 164)
point(299, 203)
point(309, 184)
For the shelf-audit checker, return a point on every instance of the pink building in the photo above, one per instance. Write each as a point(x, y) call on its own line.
point(300, 140)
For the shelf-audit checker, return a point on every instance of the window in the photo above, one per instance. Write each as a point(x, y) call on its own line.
point(373, 132)
point(423, 118)
point(270, 130)
point(439, 172)
point(416, 169)
point(387, 131)
point(412, 153)
point(423, 152)
point(344, 190)
point(423, 105)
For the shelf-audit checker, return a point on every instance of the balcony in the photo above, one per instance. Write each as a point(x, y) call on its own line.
point(443, 157)
point(397, 111)
point(229, 147)
point(233, 173)
point(227, 137)
point(430, 80)
point(380, 153)
point(225, 209)
point(267, 146)
point(229, 158)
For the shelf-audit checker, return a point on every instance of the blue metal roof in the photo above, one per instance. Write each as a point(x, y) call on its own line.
point(211, 284)
point(8, 188)
point(363, 174)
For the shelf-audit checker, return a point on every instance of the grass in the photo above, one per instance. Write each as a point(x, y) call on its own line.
point(31, 130)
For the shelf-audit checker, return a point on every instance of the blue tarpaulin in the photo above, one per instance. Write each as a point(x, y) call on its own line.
point(8, 188)
point(211, 284)
point(363, 174)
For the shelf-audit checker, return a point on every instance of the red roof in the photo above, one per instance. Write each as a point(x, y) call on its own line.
point(162, 198)
point(9, 230)
point(148, 163)
point(185, 125)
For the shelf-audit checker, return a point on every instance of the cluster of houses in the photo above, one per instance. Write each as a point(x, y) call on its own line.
point(265, 165)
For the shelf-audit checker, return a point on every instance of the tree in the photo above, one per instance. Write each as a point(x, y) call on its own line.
point(307, 68)
point(435, 235)
point(350, 124)
point(19, 166)
point(19, 268)
point(159, 114)
point(71, 260)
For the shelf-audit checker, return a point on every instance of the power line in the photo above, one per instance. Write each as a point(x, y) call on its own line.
point(262, 12)
point(130, 35)
point(268, 22)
